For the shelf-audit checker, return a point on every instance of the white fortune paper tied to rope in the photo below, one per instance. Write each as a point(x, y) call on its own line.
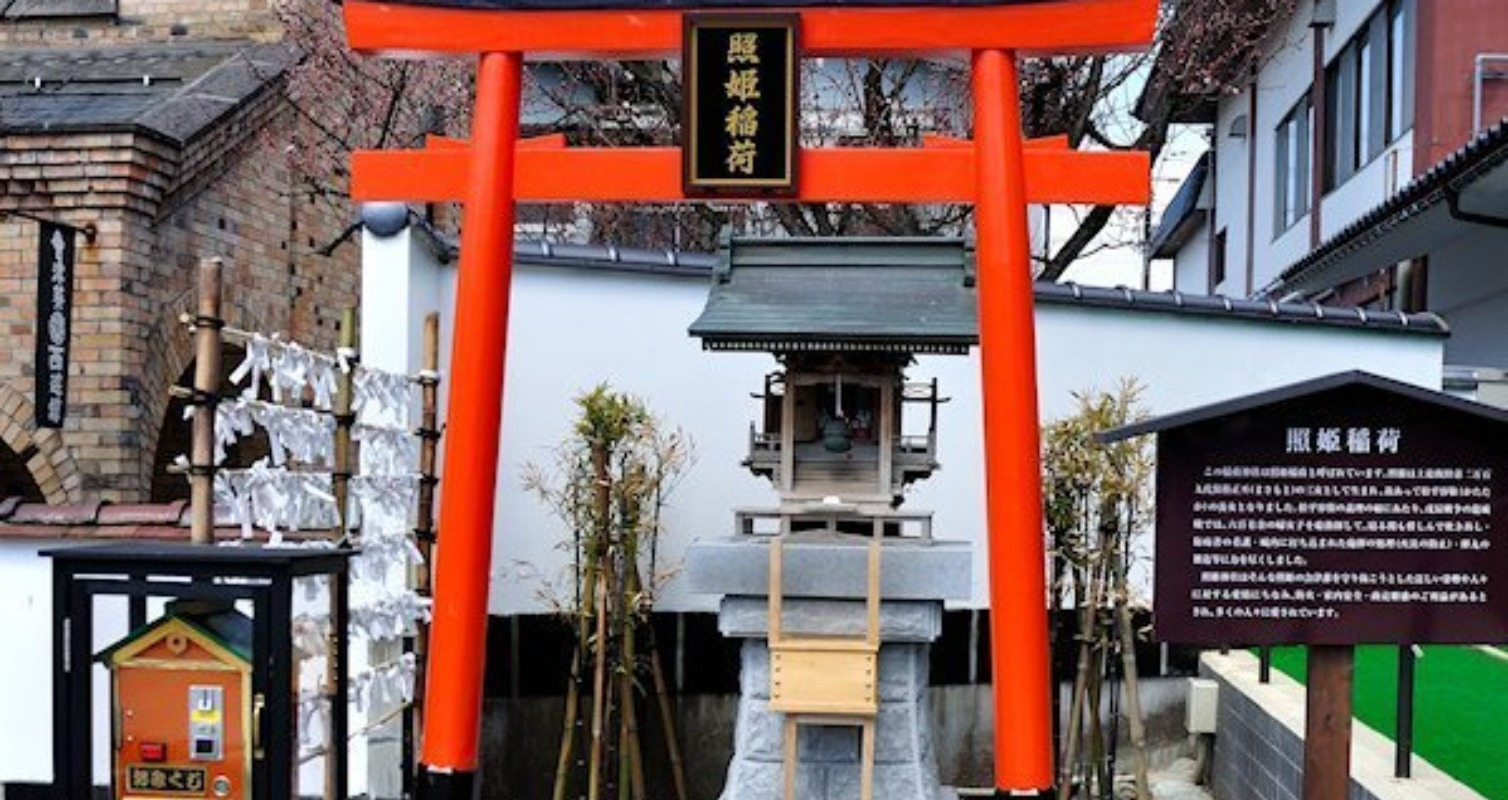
point(386, 683)
point(276, 500)
point(386, 450)
point(288, 369)
point(391, 616)
point(387, 501)
point(382, 398)
point(298, 434)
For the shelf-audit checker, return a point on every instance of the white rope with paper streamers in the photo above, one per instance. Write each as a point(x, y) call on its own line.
point(276, 500)
point(382, 398)
point(270, 497)
point(386, 450)
point(289, 369)
point(391, 681)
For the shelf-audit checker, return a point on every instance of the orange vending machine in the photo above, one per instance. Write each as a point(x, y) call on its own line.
point(185, 718)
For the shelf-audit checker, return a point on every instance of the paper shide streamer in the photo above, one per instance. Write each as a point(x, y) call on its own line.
point(291, 491)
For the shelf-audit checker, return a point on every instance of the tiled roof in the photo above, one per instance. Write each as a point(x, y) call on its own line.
point(911, 295)
point(94, 521)
point(57, 9)
point(172, 90)
point(684, 263)
point(1183, 214)
point(1236, 308)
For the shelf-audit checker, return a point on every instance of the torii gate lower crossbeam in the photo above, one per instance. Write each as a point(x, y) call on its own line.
point(997, 171)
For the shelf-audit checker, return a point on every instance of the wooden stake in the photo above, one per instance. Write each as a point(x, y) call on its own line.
point(340, 485)
point(340, 479)
point(599, 690)
point(1327, 723)
point(1130, 678)
point(667, 719)
point(424, 532)
point(206, 386)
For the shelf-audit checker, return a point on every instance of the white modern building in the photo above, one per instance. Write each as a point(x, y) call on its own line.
point(1360, 165)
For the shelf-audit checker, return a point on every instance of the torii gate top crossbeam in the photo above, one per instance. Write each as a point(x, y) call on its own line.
point(1031, 28)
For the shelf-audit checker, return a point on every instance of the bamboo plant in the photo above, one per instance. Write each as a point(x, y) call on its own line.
point(1097, 501)
point(609, 482)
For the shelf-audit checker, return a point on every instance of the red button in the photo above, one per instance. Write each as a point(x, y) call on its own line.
point(154, 752)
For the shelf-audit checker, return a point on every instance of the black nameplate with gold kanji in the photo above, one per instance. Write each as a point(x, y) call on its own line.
point(741, 76)
point(157, 779)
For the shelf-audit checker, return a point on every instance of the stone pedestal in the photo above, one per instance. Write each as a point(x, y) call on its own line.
point(823, 595)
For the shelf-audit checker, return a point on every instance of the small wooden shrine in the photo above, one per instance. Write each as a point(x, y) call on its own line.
point(837, 591)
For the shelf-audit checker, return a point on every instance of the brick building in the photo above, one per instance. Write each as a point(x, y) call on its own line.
point(157, 129)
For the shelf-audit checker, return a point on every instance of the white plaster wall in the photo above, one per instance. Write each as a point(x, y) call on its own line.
point(1367, 188)
point(1349, 15)
point(1182, 361)
point(1230, 173)
point(572, 328)
point(26, 671)
point(1284, 78)
point(1191, 264)
point(1468, 286)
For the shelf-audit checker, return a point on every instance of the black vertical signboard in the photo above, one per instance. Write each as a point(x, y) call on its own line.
point(740, 135)
point(55, 256)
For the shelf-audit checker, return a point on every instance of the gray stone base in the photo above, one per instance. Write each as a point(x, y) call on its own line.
point(828, 757)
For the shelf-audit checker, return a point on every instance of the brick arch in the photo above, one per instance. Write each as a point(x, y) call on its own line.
point(51, 464)
point(170, 355)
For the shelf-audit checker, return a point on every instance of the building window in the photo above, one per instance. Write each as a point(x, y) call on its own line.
point(1369, 91)
point(1400, 68)
point(1217, 262)
point(1293, 166)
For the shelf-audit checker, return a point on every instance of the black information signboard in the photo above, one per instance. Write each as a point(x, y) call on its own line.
point(55, 258)
point(1348, 510)
point(741, 73)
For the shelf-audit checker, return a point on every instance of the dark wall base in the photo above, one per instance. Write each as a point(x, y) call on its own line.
point(447, 785)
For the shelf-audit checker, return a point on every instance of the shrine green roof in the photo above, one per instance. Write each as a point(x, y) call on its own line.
point(834, 294)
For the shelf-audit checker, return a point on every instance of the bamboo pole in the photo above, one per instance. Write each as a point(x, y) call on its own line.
point(340, 486)
point(599, 688)
point(424, 533)
point(1130, 678)
point(629, 592)
point(572, 713)
point(667, 719)
point(207, 328)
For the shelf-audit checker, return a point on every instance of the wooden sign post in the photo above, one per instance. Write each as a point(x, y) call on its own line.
point(997, 171)
point(1345, 510)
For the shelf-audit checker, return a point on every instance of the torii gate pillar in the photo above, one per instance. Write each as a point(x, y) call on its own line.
point(1013, 475)
point(458, 636)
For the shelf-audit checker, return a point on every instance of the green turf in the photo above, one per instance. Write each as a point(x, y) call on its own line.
point(1460, 707)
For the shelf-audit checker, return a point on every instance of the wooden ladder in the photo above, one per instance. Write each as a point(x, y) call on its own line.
point(826, 680)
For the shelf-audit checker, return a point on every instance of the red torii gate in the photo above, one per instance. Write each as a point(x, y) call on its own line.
point(997, 171)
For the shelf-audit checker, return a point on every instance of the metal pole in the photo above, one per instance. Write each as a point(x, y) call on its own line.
point(453, 689)
point(1403, 756)
point(207, 325)
point(1264, 664)
point(1013, 489)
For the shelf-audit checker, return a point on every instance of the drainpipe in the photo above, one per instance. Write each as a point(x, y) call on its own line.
point(1479, 77)
point(1319, 23)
